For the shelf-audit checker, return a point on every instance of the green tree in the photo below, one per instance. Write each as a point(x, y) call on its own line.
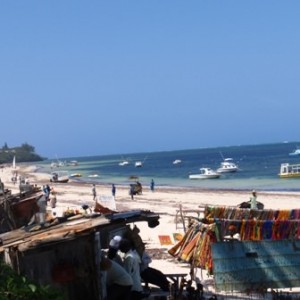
point(17, 287)
point(5, 147)
point(28, 148)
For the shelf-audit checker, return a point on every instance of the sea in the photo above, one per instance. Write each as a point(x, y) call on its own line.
point(259, 166)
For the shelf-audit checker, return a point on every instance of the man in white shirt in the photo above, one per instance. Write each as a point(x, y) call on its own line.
point(131, 264)
point(118, 281)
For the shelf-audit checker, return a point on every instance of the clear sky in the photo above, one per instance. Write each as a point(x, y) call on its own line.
point(80, 78)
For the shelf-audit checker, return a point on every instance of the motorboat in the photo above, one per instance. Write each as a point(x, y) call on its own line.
point(177, 162)
point(296, 152)
point(289, 170)
point(205, 173)
point(57, 164)
point(227, 166)
point(59, 177)
point(54, 165)
point(93, 175)
point(72, 163)
point(75, 175)
point(138, 164)
point(124, 163)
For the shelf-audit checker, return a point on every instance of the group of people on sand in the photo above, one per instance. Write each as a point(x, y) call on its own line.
point(133, 190)
point(125, 268)
point(94, 191)
point(48, 196)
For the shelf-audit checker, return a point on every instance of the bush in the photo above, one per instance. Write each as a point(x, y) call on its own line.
point(17, 287)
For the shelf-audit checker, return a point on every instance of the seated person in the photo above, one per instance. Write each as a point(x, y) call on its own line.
point(151, 275)
point(118, 281)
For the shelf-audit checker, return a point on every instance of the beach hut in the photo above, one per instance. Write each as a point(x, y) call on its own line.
point(67, 254)
point(17, 209)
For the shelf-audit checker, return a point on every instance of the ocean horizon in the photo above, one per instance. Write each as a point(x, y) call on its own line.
point(258, 167)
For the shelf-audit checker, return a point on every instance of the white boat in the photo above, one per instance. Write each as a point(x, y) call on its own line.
point(54, 165)
point(138, 164)
point(60, 176)
point(57, 164)
point(289, 171)
point(75, 175)
point(227, 166)
point(93, 175)
point(14, 162)
point(124, 163)
point(295, 152)
point(177, 162)
point(72, 163)
point(205, 173)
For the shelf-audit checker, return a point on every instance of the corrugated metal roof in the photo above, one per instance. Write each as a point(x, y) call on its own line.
point(255, 265)
point(71, 228)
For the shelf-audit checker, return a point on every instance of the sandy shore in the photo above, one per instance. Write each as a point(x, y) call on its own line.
point(165, 201)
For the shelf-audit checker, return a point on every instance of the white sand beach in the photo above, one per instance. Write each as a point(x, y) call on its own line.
point(164, 201)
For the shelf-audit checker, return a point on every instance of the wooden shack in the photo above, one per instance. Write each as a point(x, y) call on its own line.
point(67, 254)
point(17, 209)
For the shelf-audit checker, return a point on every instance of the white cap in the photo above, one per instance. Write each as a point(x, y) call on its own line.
point(115, 242)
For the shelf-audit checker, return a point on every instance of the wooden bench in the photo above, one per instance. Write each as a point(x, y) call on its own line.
point(174, 278)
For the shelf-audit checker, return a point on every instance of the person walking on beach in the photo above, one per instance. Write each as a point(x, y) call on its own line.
point(253, 200)
point(94, 192)
point(131, 191)
point(113, 190)
point(53, 198)
point(152, 185)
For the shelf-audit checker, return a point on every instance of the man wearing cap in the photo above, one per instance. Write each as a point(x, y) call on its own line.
point(114, 248)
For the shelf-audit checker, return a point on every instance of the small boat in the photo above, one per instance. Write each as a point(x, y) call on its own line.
point(59, 177)
point(57, 164)
point(93, 175)
point(296, 152)
point(138, 164)
point(177, 162)
point(72, 163)
point(289, 171)
point(54, 165)
point(14, 162)
point(227, 166)
point(124, 163)
point(205, 173)
point(75, 175)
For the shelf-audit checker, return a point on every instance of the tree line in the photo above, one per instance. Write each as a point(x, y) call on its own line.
point(23, 153)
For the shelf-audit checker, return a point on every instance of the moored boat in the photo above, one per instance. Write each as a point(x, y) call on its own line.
point(59, 177)
point(296, 152)
point(138, 164)
point(72, 163)
point(177, 162)
point(227, 166)
point(289, 170)
point(75, 175)
point(205, 173)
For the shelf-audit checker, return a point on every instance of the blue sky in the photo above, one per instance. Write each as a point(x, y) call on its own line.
point(81, 78)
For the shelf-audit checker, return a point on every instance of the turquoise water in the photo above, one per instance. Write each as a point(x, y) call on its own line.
point(258, 167)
